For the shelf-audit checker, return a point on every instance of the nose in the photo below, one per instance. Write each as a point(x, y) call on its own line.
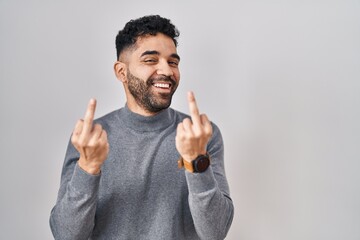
point(164, 69)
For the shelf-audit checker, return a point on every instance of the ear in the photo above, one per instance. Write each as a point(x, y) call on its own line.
point(120, 71)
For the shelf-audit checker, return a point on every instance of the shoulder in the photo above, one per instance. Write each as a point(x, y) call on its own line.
point(179, 116)
point(109, 119)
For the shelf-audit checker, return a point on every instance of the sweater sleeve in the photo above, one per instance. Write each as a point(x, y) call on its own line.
point(209, 197)
point(73, 215)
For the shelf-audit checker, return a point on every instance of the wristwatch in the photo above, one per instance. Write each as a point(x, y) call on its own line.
point(199, 165)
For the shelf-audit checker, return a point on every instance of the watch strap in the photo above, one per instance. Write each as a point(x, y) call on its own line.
point(187, 165)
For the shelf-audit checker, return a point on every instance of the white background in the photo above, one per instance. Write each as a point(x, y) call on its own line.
point(280, 78)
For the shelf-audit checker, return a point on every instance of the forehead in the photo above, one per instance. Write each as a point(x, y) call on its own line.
point(159, 42)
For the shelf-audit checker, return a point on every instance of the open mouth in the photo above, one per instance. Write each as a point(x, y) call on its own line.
point(162, 85)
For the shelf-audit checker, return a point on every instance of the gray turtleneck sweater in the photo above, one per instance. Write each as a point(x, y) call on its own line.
point(140, 192)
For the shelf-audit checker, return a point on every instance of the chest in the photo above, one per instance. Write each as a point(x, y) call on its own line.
point(142, 166)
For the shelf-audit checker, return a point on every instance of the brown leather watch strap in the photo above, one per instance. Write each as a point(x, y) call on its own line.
point(188, 165)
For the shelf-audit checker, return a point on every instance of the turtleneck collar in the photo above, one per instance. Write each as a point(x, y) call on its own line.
point(142, 123)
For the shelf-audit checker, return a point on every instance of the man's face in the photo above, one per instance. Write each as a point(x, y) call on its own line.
point(152, 73)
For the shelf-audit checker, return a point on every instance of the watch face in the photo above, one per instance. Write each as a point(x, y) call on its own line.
point(201, 164)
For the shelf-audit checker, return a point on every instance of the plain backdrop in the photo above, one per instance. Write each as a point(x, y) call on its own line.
point(280, 78)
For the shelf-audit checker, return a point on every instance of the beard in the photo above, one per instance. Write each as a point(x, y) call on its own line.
point(142, 91)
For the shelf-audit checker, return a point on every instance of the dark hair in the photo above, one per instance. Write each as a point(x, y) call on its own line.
point(147, 25)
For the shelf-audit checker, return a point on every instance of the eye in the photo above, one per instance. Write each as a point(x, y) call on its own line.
point(173, 63)
point(150, 60)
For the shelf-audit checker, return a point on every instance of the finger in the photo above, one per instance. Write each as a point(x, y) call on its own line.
point(103, 136)
point(78, 127)
point(180, 130)
point(187, 125)
point(194, 111)
point(206, 123)
point(89, 116)
point(180, 127)
point(77, 131)
point(97, 131)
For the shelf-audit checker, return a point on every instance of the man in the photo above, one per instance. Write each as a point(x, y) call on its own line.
point(121, 178)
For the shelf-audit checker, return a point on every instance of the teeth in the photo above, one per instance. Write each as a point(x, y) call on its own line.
point(162, 85)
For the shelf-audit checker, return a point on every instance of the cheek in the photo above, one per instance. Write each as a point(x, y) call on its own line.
point(177, 75)
point(143, 73)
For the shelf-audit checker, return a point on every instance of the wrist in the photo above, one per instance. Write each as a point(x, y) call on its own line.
point(93, 169)
point(191, 157)
point(198, 164)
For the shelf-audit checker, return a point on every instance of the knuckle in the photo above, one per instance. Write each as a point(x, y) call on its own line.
point(192, 137)
point(74, 141)
point(91, 144)
point(101, 142)
point(82, 140)
point(88, 120)
point(208, 131)
point(98, 126)
point(74, 137)
point(104, 133)
point(183, 137)
point(199, 133)
point(186, 122)
point(180, 137)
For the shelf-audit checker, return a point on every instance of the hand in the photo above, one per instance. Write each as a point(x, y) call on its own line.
point(91, 141)
point(193, 135)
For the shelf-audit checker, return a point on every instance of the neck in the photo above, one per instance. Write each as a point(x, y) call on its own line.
point(139, 122)
point(134, 107)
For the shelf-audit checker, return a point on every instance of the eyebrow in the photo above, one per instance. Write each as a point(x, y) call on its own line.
point(154, 52)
